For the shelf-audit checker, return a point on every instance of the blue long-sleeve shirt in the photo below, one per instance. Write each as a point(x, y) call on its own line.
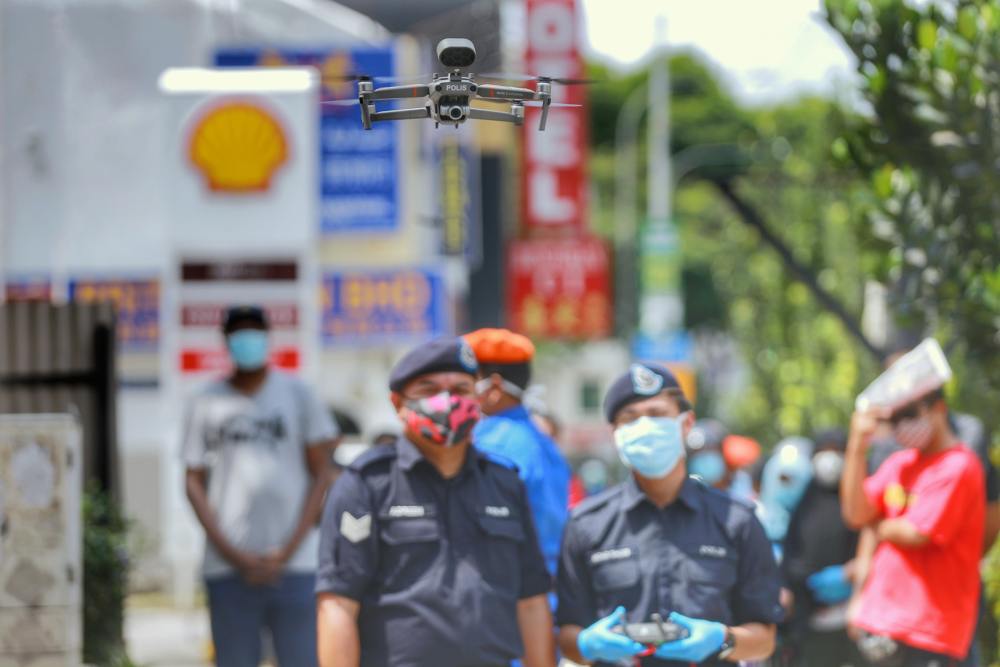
point(513, 435)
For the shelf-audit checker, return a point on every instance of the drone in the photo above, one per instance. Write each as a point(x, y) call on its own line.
point(449, 96)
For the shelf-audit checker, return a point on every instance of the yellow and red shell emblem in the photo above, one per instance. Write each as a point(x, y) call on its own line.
point(238, 146)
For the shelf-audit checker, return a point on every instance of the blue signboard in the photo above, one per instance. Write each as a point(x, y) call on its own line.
point(676, 347)
point(137, 303)
point(385, 306)
point(459, 203)
point(359, 169)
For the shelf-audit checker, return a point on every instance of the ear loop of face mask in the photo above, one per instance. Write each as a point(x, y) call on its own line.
point(482, 386)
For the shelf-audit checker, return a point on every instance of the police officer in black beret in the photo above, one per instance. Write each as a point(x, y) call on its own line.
point(663, 543)
point(428, 554)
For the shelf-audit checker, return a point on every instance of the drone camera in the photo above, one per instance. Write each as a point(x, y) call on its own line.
point(454, 112)
point(456, 52)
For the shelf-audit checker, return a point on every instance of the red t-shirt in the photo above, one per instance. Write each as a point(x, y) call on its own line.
point(928, 597)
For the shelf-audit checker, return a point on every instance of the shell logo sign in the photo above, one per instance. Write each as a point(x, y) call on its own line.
point(238, 147)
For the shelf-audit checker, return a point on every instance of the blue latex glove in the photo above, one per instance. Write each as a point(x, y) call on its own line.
point(598, 642)
point(704, 639)
point(829, 585)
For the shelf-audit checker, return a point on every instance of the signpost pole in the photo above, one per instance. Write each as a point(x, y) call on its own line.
point(661, 306)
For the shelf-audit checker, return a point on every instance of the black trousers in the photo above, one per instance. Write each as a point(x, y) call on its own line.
point(914, 657)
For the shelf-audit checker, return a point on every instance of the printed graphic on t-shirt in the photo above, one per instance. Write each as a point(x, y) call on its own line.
point(243, 429)
point(897, 499)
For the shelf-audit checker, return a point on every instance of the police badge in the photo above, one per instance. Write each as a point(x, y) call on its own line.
point(644, 381)
point(467, 357)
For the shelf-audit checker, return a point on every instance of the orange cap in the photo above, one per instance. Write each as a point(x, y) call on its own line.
point(500, 346)
point(740, 451)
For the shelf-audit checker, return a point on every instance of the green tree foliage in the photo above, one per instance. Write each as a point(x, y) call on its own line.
point(105, 580)
point(804, 371)
point(928, 146)
point(701, 111)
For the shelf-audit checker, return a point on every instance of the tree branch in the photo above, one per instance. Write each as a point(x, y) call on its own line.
point(752, 218)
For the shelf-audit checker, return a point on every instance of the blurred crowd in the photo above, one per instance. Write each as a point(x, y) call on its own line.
point(856, 545)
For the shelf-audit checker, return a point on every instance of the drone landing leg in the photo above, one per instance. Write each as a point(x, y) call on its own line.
point(545, 114)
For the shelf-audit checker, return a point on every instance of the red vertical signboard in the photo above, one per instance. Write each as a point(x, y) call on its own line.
point(559, 288)
point(555, 179)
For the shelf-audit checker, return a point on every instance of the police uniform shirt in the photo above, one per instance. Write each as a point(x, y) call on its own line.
point(705, 556)
point(438, 565)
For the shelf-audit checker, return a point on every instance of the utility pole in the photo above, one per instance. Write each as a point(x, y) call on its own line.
point(661, 306)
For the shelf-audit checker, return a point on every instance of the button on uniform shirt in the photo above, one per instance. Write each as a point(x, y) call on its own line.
point(513, 434)
point(705, 555)
point(927, 598)
point(438, 565)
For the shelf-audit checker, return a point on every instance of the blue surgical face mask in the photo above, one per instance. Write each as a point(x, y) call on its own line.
point(651, 446)
point(248, 348)
point(710, 466)
point(788, 495)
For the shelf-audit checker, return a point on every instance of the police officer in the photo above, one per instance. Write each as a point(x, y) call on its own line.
point(428, 553)
point(508, 430)
point(663, 543)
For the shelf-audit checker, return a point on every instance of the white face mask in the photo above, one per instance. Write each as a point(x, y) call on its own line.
point(827, 468)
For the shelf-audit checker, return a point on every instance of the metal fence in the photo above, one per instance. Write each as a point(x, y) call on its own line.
point(60, 358)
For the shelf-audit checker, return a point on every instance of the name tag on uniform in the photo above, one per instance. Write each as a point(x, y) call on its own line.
point(407, 511)
point(497, 511)
point(610, 554)
point(714, 552)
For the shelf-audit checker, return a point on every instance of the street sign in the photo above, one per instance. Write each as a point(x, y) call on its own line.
point(35, 288)
point(661, 304)
point(459, 203)
point(555, 178)
point(560, 288)
point(358, 169)
point(138, 307)
point(208, 288)
point(385, 306)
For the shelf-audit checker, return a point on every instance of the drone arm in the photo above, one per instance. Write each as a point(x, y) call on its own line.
point(401, 114)
point(488, 91)
point(488, 114)
point(397, 93)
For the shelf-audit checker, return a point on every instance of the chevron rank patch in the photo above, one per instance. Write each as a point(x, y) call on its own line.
point(355, 529)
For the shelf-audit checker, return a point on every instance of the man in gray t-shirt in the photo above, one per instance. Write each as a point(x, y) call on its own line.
point(257, 451)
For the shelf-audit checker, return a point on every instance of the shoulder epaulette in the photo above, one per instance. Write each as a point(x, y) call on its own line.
point(593, 503)
point(725, 499)
point(370, 456)
point(498, 459)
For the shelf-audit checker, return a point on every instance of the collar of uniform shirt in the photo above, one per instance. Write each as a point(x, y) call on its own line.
point(408, 455)
point(689, 496)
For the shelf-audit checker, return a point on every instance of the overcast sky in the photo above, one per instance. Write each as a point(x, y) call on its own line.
point(765, 50)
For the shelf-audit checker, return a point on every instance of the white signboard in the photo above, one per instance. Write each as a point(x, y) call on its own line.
point(242, 167)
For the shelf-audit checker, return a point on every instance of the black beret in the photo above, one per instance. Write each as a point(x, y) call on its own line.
point(438, 356)
point(243, 313)
point(835, 436)
point(642, 381)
